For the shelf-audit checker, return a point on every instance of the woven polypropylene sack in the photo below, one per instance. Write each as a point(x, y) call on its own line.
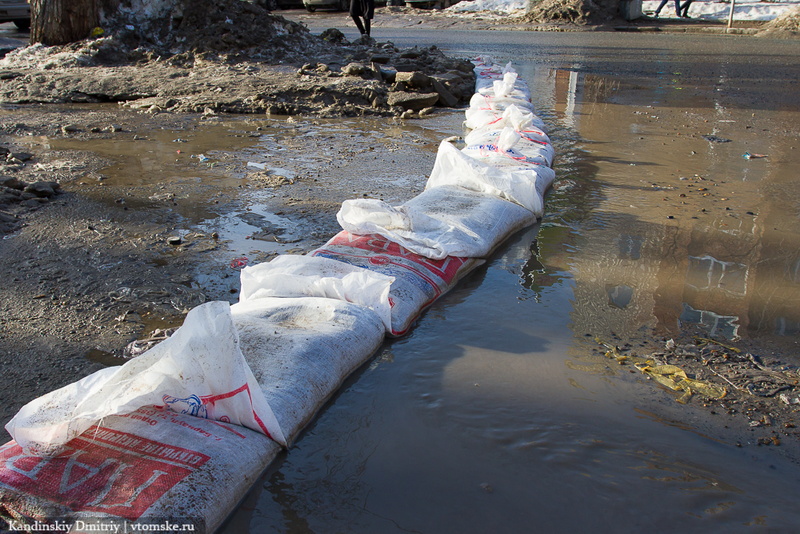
point(523, 184)
point(440, 221)
point(419, 281)
point(149, 467)
point(301, 349)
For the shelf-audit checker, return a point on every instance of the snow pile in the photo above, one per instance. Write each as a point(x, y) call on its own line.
point(720, 10)
point(789, 22)
point(39, 56)
point(496, 6)
point(582, 11)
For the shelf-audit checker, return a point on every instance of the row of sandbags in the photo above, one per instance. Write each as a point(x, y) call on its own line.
point(180, 433)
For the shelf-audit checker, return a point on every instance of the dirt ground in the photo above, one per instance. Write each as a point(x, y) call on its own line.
point(87, 273)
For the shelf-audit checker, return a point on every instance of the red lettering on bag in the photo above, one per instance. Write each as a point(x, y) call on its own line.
point(104, 470)
point(445, 269)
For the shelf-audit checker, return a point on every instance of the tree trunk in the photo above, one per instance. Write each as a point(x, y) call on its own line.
point(58, 22)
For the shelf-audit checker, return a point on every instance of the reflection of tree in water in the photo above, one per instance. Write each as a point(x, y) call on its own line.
point(535, 276)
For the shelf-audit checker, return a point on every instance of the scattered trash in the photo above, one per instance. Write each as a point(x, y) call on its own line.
point(671, 376)
point(179, 140)
point(238, 263)
point(261, 166)
point(140, 346)
point(787, 399)
point(676, 379)
point(174, 240)
point(201, 157)
point(715, 139)
point(748, 155)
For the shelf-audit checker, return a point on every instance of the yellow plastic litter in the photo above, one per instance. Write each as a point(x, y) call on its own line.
point(705, 341)
point(675, 378)
point(97, 32)
point(670, 376)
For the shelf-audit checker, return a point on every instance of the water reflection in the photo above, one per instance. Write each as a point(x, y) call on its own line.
point(673, 230)
point(491, 415)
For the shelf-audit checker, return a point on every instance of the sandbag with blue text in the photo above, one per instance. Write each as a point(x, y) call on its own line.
point(199, 371)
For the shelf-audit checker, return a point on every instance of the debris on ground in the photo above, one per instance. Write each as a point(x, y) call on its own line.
point(236, 57)
point(581, 12)
point(785, 25)
point(739, 383)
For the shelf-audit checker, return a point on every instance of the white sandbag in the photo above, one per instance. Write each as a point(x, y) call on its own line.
point(527, 137)
point(534, 145)
point(499, 118)
point(508, 85)
point(419, 281)
point(493, 154)
point(513, 116)
point(198, 371)
point(307, 276)
point(480, 102)
point(302, 349)
point(136, 470)
point(525, 186)
point(487, 72)
point(518, 119)
point(442, 221)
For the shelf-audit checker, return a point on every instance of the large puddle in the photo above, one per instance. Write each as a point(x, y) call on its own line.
point(495, 414)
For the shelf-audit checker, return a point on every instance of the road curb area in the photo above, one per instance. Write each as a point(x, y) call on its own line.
point(647, 24)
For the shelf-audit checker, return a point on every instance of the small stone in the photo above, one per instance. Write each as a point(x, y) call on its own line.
point(413, 79)
point(20, 156)
point(413, 101)
point(43, 189)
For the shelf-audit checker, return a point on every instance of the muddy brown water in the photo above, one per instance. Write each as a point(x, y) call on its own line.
point(495, 414)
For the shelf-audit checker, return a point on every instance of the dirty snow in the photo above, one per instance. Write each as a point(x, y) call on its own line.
point(721, 10)
point(699, 9)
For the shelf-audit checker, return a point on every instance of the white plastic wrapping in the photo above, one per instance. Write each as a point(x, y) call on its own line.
point(199, 370)
point(514, 117)
point(419, 281)
point(480, 101)
point(439, 222)
point(163, 435)
point(528, 154)
point(308, 276)
point(525, 186)
point(498, 118)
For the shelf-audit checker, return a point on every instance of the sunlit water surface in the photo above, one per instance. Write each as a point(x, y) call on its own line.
point(494, 415)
